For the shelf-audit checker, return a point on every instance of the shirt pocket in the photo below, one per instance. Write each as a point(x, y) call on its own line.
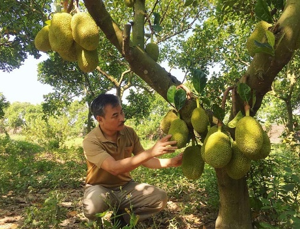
point(128, 151)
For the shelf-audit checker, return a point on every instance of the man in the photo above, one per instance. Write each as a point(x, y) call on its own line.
point(113, 150)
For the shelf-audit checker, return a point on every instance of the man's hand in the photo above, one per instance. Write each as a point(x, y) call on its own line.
point(163, 146)
point(176, 161)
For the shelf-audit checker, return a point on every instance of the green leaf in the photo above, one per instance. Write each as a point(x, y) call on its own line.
point(233, 122)
point(218, 112)
point(157, 28)
point(271, 38)
point(179, 98)
point(187, 2)
point(289, 187)
point(199, 80)
point(171, 93)
point(262, 11)
point(253, 98)
point(264, 48)
point(156, 18)
point(244, 91)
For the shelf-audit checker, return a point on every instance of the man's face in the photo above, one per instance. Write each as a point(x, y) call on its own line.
point(113, 120)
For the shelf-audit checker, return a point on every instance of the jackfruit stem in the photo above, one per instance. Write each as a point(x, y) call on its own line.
point(197, 102)
point(219, 126)
point(247, 109)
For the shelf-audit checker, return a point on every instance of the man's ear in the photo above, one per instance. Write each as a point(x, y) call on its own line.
point(99, 118)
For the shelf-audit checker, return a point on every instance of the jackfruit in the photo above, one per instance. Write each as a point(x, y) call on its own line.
point(199, 120)
point(266, 147)
point(211, 130)
point(249, 137)
point(239, 165)
point(129, 3)
point(87, 60)
point(187, 110)
point(218, 152)
point(60, 33)
point(69, 54)
point(192, 163)
point(41, 40)
point(258, 34)
point(152, 50)
point(85, 31)
point(166, 121)
point(180, 132)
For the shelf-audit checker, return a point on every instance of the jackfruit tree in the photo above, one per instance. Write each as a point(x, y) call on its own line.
point(219, 36)
point(271, 56)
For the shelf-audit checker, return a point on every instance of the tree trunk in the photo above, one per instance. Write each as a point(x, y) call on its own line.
point(234, 210)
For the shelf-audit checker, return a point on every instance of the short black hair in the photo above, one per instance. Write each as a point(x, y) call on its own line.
point(99, 103)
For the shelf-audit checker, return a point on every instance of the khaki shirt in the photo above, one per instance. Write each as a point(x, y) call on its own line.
point(97, 148)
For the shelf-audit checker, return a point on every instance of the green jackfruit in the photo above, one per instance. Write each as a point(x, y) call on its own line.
point(199, 120)
point(60, 33)
point(180, 132)
point(85, 31)
point(258, 34)
point(192, 163)
point(152, 50)
point(266, 147)
point(41, 40)
point(239, 165)
point(211, 130)
point(187, 110)
point(69, 54)
point(218, 152)
point(166, 121)
point(249, 137)
point(87, 60)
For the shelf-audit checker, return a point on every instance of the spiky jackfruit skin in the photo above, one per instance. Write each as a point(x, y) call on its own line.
point(41, 40)
point(187, 110)
point(87, 60)
point(211, 130)
point(192, 163)
point(218, 152)
point(152, 50)
point(180, 132)
point(199, 120)
point(258, 35)
point(266, 147)
point(239, 165)
point(166, 121)
point(69, 54)
point(85, 31)
point(249, 137)
point(60, 33)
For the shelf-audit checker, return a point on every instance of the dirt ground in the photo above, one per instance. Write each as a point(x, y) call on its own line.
point(13, 213)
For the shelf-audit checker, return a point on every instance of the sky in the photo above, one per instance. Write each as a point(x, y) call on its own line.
point(21, 85)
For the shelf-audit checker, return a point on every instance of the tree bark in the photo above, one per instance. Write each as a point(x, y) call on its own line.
point(234, 209)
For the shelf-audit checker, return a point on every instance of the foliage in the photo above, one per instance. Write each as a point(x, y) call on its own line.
point(20, 21)
point(274, 189)
point(3, 105)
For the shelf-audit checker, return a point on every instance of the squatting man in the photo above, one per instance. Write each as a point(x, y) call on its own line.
point(113, 150)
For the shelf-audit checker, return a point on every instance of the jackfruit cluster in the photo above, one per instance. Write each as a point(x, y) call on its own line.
point(192, 163)
point(75, 38)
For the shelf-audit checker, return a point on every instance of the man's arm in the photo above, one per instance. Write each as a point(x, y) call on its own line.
point(158, 163)
point(128, 164)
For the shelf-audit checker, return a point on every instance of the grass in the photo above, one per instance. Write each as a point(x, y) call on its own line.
point(42, 189)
